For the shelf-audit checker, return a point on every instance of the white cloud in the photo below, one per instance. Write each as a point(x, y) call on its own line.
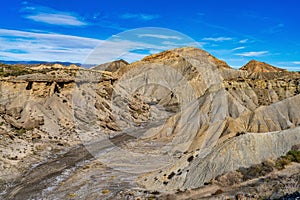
point(44, 46)
point(252, 53)
point(238, 48)
point(160, 36)
point(139, 16)
point(52, 16)
point(57, 47)
point(122, 48)
point(243, 41)
point(218, 39)
point(56, 19)
point(289, 65)
point(184, 43)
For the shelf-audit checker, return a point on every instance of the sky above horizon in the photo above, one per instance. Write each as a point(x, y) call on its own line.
point(233, 30)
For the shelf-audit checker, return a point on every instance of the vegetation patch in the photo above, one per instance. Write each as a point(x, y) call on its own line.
point(13, 70)
point(294, 155)
point(105, 191)
point(291, 156)
point(268, 166)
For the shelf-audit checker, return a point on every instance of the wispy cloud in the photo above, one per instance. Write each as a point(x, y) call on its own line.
point(58, 47)
point(289, 65)
point(56, 19)
point(44, 46)
point(243, 41)
point(52, 16)
point(133, 45)
point(139, 16)
point(238, 48)
point(160, 36)
point(218, 39)
point(127, 49)
point(15, 51)
point(253, 53)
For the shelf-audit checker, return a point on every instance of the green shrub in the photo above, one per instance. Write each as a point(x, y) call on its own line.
point(294, 156)
point(291, 156)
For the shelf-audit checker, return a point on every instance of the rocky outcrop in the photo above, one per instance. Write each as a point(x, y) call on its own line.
point(184, 117)
point(111, 66)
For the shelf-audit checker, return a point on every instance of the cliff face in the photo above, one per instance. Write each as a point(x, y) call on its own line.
point(177, 119)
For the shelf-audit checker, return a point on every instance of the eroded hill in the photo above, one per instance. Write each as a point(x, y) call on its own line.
point(173, 121)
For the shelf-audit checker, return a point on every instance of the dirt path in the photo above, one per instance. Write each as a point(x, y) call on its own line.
point(77, 173)
point(40, 177)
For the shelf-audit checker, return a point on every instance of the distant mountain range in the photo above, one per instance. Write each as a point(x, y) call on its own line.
point(37, 62)
point(251, 66)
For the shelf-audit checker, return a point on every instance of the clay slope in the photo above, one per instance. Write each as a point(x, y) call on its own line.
point(211, 104)
point(218, 132)
point(217, 115)
point(185, 117)
point(40, 112)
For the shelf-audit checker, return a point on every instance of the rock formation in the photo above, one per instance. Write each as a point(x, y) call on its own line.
point(176, 119)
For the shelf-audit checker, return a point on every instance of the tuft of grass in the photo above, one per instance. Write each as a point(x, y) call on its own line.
point(282, 162)
point(72, 195)
point(105, 191)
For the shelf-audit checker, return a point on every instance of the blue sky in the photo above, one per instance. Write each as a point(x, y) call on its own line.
point(233, 30)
